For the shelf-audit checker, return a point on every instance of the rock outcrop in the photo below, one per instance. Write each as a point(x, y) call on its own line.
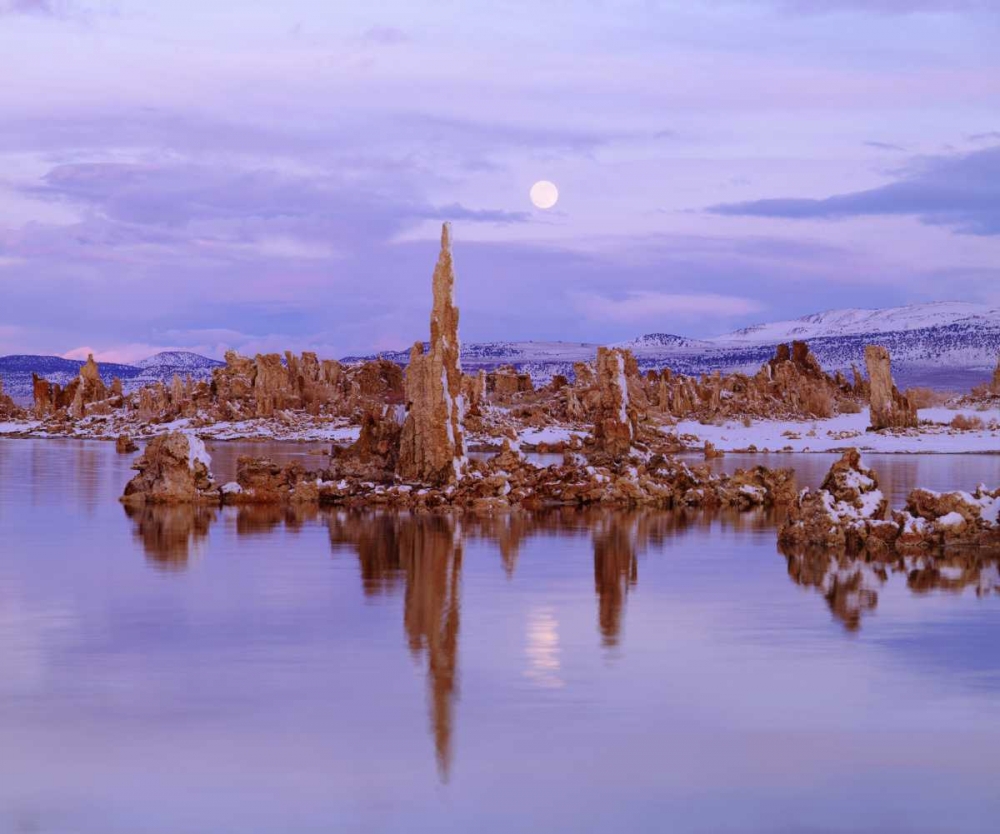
point(377, 446)
point(508, 481)
point(889, 408)
point(842, 512)
point(86, 394)
point(173, 469)
point(262, 386)
point(44, 396)
point(432, 444)
point(88, 388)
point(124, 444)
point(849, 514)
point(790, 385)
point(614, 427)
point(504, 383)
point(8, 408)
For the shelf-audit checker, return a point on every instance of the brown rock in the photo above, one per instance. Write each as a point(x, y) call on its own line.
point(44, 394)
point(889, 408)
point(432, 447)
point(842, 513)
point(8, 408)
point(379, 441)
point(174, 469)
point(90, 388)
point(124, 445)
point(474, 391)
point(506, 381)
point(613, 426)
point(260, 481)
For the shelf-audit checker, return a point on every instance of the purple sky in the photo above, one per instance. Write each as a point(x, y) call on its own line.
point(266, 176)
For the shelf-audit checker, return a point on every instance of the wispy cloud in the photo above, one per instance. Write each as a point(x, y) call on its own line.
point(884, 146)
point(959, 191)
point(41, 8)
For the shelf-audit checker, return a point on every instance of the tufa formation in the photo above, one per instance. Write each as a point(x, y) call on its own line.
point(432, 445)
point(889, 408)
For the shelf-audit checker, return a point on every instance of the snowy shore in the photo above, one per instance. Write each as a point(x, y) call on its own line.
point(935, 434)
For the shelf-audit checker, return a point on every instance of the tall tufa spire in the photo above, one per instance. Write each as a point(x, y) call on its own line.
point(432, 447)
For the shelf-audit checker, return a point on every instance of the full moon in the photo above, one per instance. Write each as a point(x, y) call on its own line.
point(544, 194)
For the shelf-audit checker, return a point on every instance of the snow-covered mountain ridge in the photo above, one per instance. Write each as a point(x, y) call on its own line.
point(859, 322)
point(946, 345)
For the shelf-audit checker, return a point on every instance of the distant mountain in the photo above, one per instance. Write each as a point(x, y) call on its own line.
point(16, 371)
point(659, 341)
point(540, 359)
point(858, 322)
point(178, 360)
point(948, 345)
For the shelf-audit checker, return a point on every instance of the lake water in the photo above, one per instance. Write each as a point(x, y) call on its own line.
point(266, 671)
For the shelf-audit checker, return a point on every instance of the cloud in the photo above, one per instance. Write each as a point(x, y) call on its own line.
point(153, 202)
point(385, 36)
point(884, 146)
point(40, 8)
point(958, 191)
point(646, 305)
point(989, 136)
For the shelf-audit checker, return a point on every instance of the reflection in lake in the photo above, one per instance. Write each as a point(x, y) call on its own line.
point(307, 670)
point(850, 585)
point(425, 554)
point(420, 558)
point(170, 534)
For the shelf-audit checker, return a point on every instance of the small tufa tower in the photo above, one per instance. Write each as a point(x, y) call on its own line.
point(888, 408)
point(432, 446)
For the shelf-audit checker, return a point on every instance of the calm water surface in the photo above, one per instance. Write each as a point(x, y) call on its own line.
point(237, 671)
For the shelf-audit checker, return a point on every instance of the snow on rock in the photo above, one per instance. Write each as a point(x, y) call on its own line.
point(848, 512)
point(432, 445)
point(173, 469)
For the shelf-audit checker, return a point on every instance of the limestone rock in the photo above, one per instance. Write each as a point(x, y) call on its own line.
point(889, 408)
point(89, 388)
point(613, 426)
point(849, 514)
point(474, 392)
point(841, 512)
point(506, 382)
point(432, 445)
point(379, 440)
point(173, 469)
point(124, 445)
point(259, 481)
point(8, 408)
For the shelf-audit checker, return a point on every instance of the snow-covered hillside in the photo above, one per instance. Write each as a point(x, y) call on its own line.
point(857, 322)
point(540, 359)
point(178, 360)
point(948, 345)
